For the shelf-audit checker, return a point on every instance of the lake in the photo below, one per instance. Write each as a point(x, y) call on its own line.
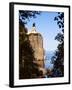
point(48, 56)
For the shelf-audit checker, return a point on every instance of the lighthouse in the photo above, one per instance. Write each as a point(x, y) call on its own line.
point(36, 41)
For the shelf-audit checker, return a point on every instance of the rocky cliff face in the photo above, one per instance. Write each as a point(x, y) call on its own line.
point(36, 42)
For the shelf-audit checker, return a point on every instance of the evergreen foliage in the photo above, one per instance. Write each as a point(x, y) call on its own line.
point(27, 68)
point(58, 58)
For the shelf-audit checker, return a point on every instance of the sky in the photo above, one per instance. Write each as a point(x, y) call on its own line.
point(48, 28)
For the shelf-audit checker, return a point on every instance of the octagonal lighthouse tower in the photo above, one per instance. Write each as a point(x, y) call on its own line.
point(36, 41)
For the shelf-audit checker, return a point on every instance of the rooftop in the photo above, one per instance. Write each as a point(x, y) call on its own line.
point(33, 29)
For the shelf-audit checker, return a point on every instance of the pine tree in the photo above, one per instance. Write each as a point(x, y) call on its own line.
point(58, 58)
point(27, 68)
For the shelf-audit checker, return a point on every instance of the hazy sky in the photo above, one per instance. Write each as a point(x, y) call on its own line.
point(46, 25)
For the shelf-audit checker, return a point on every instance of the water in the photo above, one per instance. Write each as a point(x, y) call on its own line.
point(48, 56)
